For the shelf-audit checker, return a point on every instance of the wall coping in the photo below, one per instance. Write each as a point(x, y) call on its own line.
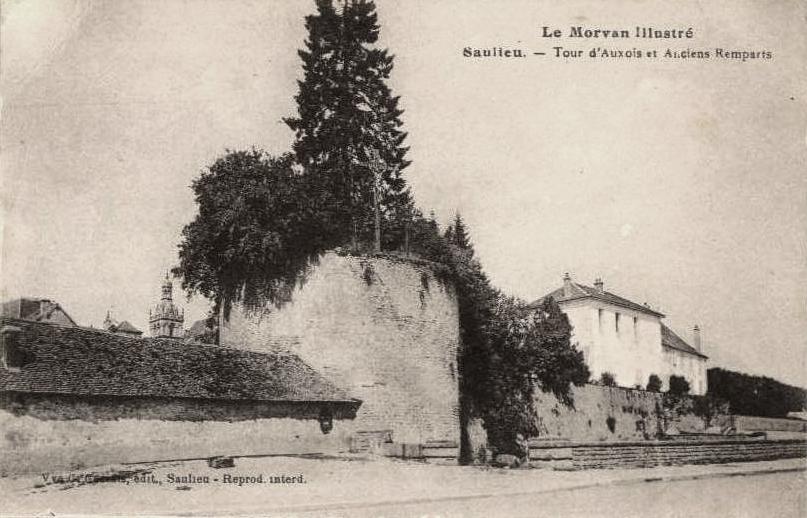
point(662, 444)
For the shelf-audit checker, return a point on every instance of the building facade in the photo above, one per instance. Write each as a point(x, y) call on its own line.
point(627, 339)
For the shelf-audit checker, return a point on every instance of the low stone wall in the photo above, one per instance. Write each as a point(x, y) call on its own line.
point(33, 445)
point(649, 454)
point(767, 424)
point(599, 414)
point(617, 414)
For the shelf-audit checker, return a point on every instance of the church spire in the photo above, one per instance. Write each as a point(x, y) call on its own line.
point(166, 319)
point(168, 288)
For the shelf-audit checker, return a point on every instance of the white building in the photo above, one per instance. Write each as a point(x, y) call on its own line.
point(628, 339)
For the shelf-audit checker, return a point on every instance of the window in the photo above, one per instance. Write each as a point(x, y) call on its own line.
point(599, 318)
point(616, 323)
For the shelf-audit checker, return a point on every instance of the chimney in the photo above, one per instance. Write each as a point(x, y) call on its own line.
point(696, 338)
point(567, 285)
point(598, 284)
point(45, 307)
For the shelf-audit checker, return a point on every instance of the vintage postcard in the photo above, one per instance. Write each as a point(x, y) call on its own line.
point(379, 258)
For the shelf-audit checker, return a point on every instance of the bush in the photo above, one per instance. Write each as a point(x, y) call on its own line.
point(709, 408)
point(607, 379)
point(755, 395)
point(654, 383)
point(678, 386)
point(529, 350)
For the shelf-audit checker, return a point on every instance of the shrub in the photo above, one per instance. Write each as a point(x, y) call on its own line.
point(678, 385)
point(607, 379)
point(654, 383)
point(755, 395)
point(709, 407)
point(529, 349)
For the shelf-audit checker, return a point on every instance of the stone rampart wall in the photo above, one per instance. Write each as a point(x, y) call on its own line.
point(384, 329)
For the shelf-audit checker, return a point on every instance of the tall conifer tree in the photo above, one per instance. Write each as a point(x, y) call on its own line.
point(345, 109)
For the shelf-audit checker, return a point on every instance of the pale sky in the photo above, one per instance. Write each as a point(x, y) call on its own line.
point(681, 183)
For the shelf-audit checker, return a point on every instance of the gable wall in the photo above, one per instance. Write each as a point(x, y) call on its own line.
point(631, 354)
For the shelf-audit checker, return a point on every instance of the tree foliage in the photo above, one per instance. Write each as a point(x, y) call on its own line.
point(607, 379)
point(755, 395)
point(345, 109)
point(654, 383)
point(260, 225)
point(255, 232)
point(678, 385)
point(530, 348)
point(508, 350)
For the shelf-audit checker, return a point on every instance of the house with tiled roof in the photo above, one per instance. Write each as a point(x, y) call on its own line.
point(75, 395)
point(122, 328)
point(37, 310)
point(627, 339)
point(39, 360)
point(683, 359)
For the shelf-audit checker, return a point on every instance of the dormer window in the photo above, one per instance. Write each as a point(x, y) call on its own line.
point(11, 356)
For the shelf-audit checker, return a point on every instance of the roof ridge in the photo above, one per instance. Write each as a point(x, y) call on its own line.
point(684, 346)
point(146, 339)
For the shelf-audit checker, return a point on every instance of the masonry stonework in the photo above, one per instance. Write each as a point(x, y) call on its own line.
point(599, 414)
point(384, 329)
point(42, 433)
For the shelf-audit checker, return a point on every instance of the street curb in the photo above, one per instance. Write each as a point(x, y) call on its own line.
point(340, 506)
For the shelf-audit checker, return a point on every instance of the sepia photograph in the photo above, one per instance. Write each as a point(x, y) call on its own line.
point(375, 258)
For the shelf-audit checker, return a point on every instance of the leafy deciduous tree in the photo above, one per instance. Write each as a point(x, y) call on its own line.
point(530, 348)
point(256, 230)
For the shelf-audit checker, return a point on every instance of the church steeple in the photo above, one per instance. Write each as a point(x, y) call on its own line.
point(108, 322)
point(166, 319)
point(168, 289)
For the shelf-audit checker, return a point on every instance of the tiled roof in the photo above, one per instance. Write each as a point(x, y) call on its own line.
point(673, 341)
point(580, 291)
point(126, 327)
point(80, 361)
point(197, 328)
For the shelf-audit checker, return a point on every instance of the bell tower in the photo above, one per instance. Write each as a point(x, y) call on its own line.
point(166, 319)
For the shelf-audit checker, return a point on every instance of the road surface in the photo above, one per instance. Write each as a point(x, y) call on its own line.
point(772, 495)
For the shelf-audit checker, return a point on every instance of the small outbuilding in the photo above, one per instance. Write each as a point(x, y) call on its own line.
point(59, 384)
